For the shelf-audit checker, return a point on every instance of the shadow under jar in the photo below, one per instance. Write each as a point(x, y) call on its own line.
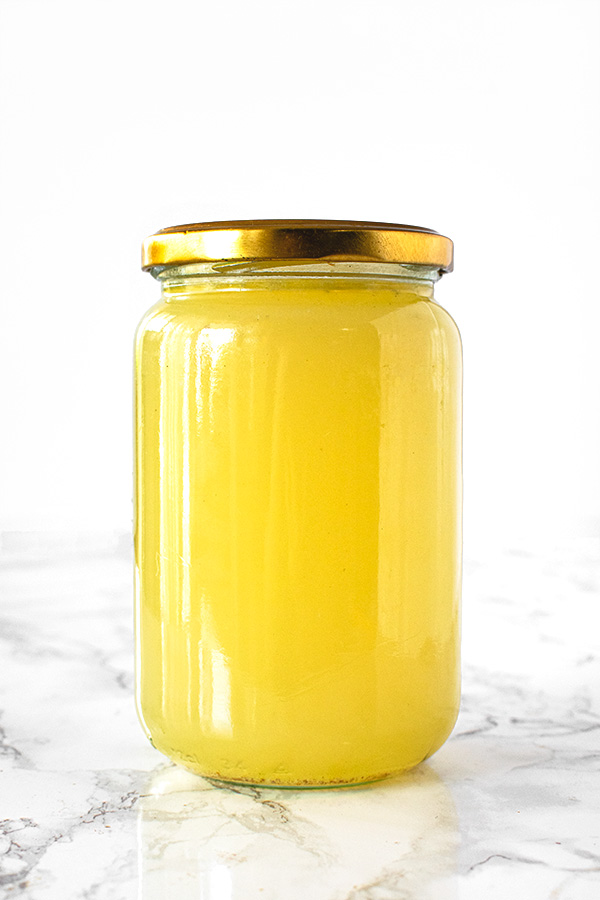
point(298, 492)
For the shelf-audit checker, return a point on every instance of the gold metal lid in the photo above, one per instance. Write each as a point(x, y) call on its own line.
point(297, 239)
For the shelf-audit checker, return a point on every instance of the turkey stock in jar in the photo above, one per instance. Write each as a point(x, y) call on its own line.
point(298, 492)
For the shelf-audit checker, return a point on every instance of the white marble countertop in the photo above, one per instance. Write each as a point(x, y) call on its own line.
point(510, 806)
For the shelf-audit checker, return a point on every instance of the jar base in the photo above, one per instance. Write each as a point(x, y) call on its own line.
point(332, 771)
point(302, 785)
point(291, 783)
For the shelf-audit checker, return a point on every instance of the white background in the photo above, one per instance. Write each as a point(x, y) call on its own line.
point(479, 119)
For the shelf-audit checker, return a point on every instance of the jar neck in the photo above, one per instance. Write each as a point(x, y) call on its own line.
point(178, 281)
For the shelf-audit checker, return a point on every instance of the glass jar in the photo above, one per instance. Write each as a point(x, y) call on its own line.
point(298, 491)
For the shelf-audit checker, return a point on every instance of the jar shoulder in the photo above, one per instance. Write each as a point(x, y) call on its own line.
point(154, 323)
point(447, 325)
point(444, 318)
point(415, 317)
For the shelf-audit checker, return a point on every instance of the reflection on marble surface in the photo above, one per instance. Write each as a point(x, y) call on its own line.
point(511, 804)
point(398, 839)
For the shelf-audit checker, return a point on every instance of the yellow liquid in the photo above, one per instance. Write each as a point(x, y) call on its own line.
point(298, 527)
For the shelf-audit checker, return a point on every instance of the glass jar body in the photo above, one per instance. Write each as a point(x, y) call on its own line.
point(297, 540)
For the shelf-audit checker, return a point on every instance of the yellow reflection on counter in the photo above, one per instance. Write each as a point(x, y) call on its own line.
point(202, 842)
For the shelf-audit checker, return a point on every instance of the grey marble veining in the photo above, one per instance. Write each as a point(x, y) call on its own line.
point(510, 805)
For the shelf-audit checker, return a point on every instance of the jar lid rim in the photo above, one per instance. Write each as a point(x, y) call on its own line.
point(298, 239)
